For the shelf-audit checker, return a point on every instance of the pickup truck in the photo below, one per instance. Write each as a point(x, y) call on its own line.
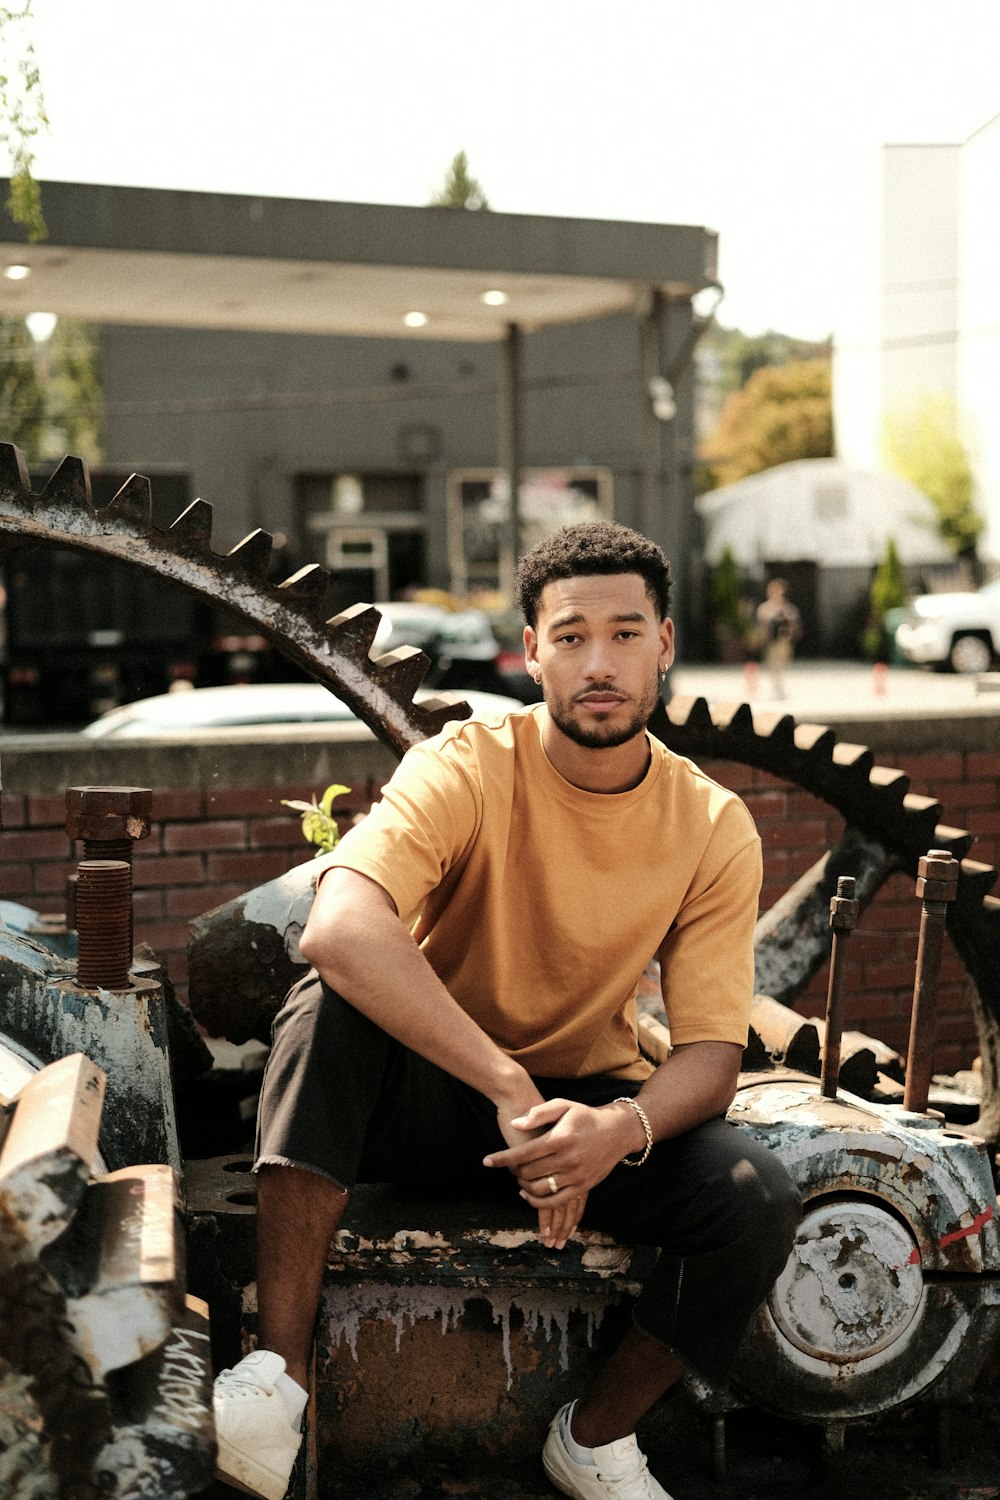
point(957, 631)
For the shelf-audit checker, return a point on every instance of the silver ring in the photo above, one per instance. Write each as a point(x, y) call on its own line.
point(553, 1185)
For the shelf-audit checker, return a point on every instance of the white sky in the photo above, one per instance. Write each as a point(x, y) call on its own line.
point(761, 118)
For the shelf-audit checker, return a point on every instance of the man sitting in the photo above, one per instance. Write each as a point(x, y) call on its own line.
point(477, 944)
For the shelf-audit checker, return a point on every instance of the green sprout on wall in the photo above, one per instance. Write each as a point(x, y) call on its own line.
point(319, 826)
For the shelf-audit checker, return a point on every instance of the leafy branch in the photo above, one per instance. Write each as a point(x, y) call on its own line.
point(22, 118)
point(319, 826)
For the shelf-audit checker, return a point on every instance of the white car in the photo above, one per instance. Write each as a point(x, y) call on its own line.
point(239, 705)
point(960, 631)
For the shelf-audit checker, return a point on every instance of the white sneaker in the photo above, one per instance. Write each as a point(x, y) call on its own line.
point(257, 1442)
point(619, 1470)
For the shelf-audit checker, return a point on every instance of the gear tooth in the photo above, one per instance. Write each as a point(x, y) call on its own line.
point(132, 507)
point(890, 784)
point(815, 739)
point(309, 582)
point(354, 630)
point(922, 814)
point(856, 759)
point(14, 475)
point(435, 713)
point(689, 713)
point(192, 530)
point(731, 718)
point(976, 878)
point(252, 556)
point(401, 672)
point(777, 728)
point(957, 841)
point(69, 485)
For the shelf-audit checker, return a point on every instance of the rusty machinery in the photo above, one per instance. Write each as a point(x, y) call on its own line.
point(891, 1292)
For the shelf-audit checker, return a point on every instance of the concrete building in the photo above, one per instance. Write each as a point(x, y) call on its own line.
point(363, 380)
point(934, 330)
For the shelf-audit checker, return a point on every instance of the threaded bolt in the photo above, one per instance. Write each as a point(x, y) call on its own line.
point(103, 924)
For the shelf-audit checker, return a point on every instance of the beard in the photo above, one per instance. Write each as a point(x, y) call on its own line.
point(601, 736)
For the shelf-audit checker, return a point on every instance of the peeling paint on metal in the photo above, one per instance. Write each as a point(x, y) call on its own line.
point(347, 1306)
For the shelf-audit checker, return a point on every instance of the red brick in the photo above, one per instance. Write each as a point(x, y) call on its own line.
point(49, 811)
point(13, 813)
point(34, 844)
point(50, 877)
point(191, 901)
point(163, 937)
point(234, 801)
point(178, 870)
point(982, 763)
point(814, 834)
point(147, 904)
point(14, 881)
point(272, 832)
point(943, 766)
point(180, 836)
point(250, 869)
point(171, 806)
point(959, 794)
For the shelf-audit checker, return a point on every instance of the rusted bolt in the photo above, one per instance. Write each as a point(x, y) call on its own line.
point(937, 884)
point(843, 919)
point(70, 914)
point(109, 819)
point(103, 924)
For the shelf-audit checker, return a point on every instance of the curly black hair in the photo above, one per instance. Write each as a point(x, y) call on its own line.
point(588, 548)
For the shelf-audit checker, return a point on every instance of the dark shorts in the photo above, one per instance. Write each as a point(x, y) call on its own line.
point(342, 1098)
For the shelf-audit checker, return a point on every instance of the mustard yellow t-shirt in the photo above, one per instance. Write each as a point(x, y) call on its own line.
point(539, 905)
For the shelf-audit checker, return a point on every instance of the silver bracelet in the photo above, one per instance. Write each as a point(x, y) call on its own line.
point(627, 1099)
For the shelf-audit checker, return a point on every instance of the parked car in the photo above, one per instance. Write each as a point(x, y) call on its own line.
point(240, 705)
point(957, 631)
point(468, 648)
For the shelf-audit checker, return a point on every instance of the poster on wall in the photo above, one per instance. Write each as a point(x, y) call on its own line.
point(479, 546)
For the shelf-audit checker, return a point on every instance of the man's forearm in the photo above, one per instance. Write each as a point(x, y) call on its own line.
point(695, 1084)
point(361, 949)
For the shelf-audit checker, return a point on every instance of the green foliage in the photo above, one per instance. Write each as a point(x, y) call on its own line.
point(319, 826)
point(782, 413)
point(923, 445)
point(889, 586)
point(461, 189)
point(50, 394)
point(729, 608)
point(22, 118)
point(737, 355)
point(889, 591)
point(22, 393)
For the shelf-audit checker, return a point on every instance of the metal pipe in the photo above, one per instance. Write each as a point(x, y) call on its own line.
point(510, 450)
point(844, 910)
point(937, 884)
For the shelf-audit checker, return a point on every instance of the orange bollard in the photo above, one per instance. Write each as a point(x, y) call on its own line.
point(751, 678)
point(880, 679)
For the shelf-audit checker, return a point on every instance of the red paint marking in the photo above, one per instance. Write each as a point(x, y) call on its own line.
point(913, 1259)
point(978, 1223)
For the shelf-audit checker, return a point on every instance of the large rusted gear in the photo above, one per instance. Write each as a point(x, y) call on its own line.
point(887, 828)
point(293, 615)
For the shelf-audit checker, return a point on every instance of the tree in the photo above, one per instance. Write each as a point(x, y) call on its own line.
point(922, 444)
point(889, 591)
point(50, 394)
point(783, 412)
point(22, 392)
point(460, 189)
point(22, 118)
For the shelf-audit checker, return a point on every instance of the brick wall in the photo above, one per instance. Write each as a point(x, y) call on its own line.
point(219, 829)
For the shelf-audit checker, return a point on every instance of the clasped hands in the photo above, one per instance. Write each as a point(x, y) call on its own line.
point(561, 1144)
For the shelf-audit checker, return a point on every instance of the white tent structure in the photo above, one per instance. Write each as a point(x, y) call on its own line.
point(819, 510)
